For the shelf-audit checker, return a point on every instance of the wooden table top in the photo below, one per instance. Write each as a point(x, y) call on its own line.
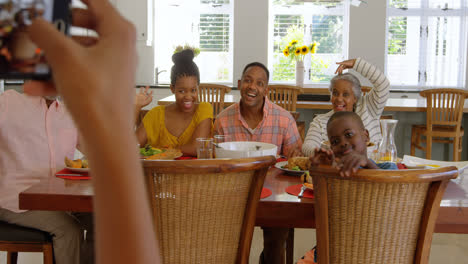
point(278, 210)
point(393, 104)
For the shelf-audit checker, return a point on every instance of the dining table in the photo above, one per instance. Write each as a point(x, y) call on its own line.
point(280, 209)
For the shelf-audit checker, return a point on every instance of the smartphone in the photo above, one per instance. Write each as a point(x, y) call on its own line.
point(20, 58)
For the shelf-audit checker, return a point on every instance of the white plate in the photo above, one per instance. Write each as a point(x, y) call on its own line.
point(280, 165)
point(78, 169)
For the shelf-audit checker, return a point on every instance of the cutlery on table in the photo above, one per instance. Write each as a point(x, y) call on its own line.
point(303, 188)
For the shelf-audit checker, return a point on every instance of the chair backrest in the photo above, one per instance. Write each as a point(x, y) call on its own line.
point(444, 107)
point(284, 96)
point(365, 90)
point(204, 210)
point(377, 216)
point(214, 94)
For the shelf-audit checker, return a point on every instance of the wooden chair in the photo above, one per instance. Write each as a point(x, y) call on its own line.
point(285, 96)
point(14, 239)
point(444, 112)
point(365, 90)
point(377, 216)
point(204, 210)
point(214, 94)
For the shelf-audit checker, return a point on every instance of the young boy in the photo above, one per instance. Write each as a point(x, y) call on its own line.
point(348, 141)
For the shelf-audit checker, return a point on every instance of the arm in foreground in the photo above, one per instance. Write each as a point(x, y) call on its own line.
point(104, 120)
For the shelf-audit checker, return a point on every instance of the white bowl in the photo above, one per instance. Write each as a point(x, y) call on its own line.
point(244, 149)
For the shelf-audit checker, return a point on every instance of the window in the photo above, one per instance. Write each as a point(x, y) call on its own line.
point(205, 24)
point(325, 23)
point(426, 43)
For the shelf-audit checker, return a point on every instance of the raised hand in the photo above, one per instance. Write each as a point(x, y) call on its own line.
point(322, 156)
point(349, 164)
point(96, 79)
point(144, 97)
point(347, 64)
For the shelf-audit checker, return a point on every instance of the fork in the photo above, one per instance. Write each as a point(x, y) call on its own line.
point(301, 193)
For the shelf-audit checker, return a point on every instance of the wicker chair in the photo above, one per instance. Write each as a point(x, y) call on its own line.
point(14, 239)
point(204, 210)
point(443, 120)
point(214, 94)
point(377, 216)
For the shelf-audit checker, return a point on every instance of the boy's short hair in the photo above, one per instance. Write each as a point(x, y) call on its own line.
point(345, 114)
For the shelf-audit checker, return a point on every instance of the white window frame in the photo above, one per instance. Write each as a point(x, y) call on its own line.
point(424, 12)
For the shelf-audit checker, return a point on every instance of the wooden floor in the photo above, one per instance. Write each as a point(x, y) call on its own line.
point(446, 248)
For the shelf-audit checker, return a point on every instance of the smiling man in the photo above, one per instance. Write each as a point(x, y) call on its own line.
point(255, 118)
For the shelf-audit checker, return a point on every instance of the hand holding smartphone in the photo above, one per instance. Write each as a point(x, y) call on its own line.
point(20, 58)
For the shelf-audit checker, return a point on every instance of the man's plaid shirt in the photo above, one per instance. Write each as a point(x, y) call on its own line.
point(277, 127)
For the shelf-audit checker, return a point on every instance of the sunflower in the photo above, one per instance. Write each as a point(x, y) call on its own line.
point(313, 47)
point(298, 51)
point(304, 50)
point(293, 42)
point(286, 51)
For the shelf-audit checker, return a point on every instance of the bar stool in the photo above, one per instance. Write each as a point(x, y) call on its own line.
point(14, 239)
point(444, 112)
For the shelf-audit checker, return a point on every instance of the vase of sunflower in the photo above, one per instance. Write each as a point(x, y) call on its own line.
point(296, 52)
point(300, 72)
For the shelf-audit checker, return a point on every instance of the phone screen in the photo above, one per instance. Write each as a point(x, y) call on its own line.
point(20, 58)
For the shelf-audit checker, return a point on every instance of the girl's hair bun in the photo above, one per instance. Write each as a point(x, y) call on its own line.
point(185, 56)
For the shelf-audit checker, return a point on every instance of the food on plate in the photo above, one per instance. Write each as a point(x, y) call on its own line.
point(298, 163)
point(148, 150)
point(306, 178)
point(84, 163)
point(165, 154)
point(77, 164)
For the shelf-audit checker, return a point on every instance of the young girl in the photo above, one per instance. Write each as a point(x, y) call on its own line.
point(179, 124)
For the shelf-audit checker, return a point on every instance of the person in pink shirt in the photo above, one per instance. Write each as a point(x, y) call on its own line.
point(36, 134)
point(255, 118)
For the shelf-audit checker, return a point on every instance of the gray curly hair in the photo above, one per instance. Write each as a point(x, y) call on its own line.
point(356, 84)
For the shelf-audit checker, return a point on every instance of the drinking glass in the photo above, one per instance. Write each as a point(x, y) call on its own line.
point(204, 148)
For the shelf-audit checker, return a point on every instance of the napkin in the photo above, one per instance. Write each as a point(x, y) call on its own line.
point(415, 161)
point(71, 175)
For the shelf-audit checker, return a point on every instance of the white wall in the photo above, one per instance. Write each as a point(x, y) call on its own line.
point(250, 34)
point(367, 34)
point(136, 12)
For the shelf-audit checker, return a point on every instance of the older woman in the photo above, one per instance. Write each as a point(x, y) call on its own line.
point(346, 95)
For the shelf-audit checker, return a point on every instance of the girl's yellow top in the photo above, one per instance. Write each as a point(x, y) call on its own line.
point(159, 136)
